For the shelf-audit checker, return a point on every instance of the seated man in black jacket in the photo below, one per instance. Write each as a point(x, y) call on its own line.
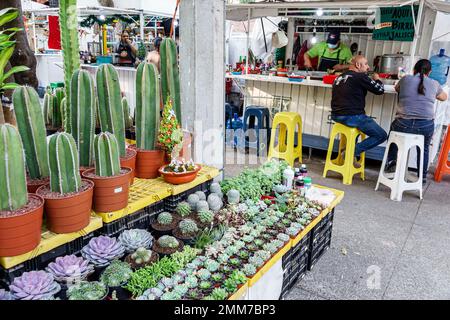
point(349, 101)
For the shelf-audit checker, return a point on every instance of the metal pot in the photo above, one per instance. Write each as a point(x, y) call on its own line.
point(391, 62)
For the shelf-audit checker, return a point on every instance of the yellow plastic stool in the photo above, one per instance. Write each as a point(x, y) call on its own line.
point(345, 165)
point(288, 123)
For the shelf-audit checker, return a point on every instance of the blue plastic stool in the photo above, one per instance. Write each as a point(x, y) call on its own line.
point(230, 110)
point(261, 114)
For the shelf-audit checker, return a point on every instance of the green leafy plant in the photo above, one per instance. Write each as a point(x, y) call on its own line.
point(219, 294)
point(204, 274)
point(116, 274)
point(235, 279)
point(205, 285)
point(87, 291)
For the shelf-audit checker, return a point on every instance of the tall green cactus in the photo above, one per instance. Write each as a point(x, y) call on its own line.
point(57, 115)
point(82, 115)
point(30, 121)
point(126, 113)
point(110, 104)
point(147, 106)
point(68, 21)
point(65, 115)
point(64, 166)
point(13, 185)
point(48, 107)
point(107, 160)
point(170, 75)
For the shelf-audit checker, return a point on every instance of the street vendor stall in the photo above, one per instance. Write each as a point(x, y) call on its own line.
point(309, 22)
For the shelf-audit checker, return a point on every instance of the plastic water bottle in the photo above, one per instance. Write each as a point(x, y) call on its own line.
point(308, 182)
point(288, 177)
point(440, 65)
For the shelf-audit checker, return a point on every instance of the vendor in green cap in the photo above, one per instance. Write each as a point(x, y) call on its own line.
point(333, 54)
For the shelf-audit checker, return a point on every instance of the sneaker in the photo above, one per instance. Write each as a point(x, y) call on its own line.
point(390, 166)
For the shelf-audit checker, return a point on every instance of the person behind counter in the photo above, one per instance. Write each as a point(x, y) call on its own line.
point(415, 111)
point(126, 49)
point(348, 103)
point(153, 56)
point(333, 54)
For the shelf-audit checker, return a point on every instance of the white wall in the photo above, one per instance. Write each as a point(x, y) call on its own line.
point(161, 6)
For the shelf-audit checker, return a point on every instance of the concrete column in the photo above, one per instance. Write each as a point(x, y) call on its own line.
point(202, 67)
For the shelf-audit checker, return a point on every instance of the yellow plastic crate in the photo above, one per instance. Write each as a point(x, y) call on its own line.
point(238, 295)
point(50, 241)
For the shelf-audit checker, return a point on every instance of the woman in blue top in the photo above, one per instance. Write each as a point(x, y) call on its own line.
point(415, 112)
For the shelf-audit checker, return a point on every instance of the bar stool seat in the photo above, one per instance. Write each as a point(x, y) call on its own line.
point(257, 118)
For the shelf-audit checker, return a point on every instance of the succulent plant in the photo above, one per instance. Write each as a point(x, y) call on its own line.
point(205, 285)
point(215, 202)
point(126, 113)
point(211, 265)
point(215, 188)
point(259, 242)
point(291, 231)
point(279, 188)
point(231, 250)
point(219, 294)
point(191, 281)
point(205, 216)
point(188, 226)
point(106, 151)
point(243, 254)
point(223, 258)
point(201, 195)
point(248, 238)
point(278, 243)
point(234, 261)
point(297, 225)
point(141, 256)
point(201, 205)
point(217, 277)
point(283, 237)
point(102, 250)
point(116, 274)
point(183, 209)
point(5, 295)
point(167, 282)
point(249, 269)
point(257, 261)
point(180, 289)
point(87, 291)
point(135, 238)
point(70, 267)
point(165, 218)
point(233, 196)
point(34, 285)
point(204, 274)
point(170, 295)
point(270, 247)
point(192, 200)
point(239, 244)
point(168, 242)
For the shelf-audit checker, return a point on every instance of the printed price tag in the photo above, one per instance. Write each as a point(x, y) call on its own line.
point(118, 190)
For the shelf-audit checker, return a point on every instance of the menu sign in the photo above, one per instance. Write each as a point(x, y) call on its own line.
point(395, 24)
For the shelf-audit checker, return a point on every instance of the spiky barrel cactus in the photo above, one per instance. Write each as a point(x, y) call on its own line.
point(205, 216)
point(82, 115)
point(68, 21)
point(12, 170)
point(110, 104)
point(30, 122)
point(183, 209)
point(64, 165)
point(170, 75)
point(126, 113)
point(188, 226)
point(147, 106)
point(107, 160)
point(165, 218)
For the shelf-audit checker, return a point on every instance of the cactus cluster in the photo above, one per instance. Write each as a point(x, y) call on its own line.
point(12, 170)
point(192, 200)
point(201, 195)
point(168, 242)
point(147, 106)
point(202, 205)
point(188, 226)
point(233, 196)
point(215, 202)
point(30, 122)
point(106, 150)
point(141, 256)
point(165, 218)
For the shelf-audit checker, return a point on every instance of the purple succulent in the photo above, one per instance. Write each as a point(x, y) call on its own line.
point(102, 250)
point(5, 295)
point(34, 285)
point(69, 268)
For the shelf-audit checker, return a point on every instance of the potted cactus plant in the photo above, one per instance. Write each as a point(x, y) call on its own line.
point(30, 122)
point(20, 213)
point(82, 117)
point(53, 108)
point(149, 157)
point(141, 257)
point(135, 238)
point(68, 198)
point(167, 245)
point(130, 133)
point(112, 182)
point(186, 230)
point(165, 223)
point(34, 285)
point(115, 276)
point(111, 112)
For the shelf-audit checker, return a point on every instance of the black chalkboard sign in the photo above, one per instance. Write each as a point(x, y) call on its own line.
point(395, 24)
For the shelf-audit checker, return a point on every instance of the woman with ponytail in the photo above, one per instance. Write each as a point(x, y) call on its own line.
point(415, 111)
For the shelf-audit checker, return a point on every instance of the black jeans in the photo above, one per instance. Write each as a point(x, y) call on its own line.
point(414, 126)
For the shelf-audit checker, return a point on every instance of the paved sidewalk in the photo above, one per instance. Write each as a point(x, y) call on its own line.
point(380, 249)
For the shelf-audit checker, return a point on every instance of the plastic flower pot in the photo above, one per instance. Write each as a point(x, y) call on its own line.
point(68, 213)
point(179, 178)
point(34, 184)
point(110, 193)
point(130, 161)
point(148, 162)
point(20, 230)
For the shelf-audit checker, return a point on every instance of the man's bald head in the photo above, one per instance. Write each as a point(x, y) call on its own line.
point(360, 64)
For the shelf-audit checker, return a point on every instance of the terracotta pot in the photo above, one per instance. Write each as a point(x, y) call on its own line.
point(179, 178)
point(68, 214)
point(21, 234)
point(110, 193)
point(130, 162)
point(33, 185)
point(148, 162)
point(83, 169)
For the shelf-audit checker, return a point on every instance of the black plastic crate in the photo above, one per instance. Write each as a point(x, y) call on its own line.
point(130, 134)
point(144, 218)
point(319, 251)
point(170, 203)
point(113, 229)
point(300, 248)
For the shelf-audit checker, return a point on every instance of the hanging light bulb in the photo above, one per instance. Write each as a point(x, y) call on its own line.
point(319, 12)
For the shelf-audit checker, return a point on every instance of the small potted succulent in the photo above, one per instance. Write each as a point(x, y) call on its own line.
point(249, 270)
point(234, 281)
point(179, 172)
point(115, 276)
point(70, 269)
point(184, 210)
point(68, 198)
point(165, 223)
point(219, 294)
point(34, 285)
point(94, 290)
point(141, 257)
point(187, 230)
point(20, 213)
point(135, 238)
point(112, 182)
point(205, 218)
point(167, 245)
point(101, 250)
